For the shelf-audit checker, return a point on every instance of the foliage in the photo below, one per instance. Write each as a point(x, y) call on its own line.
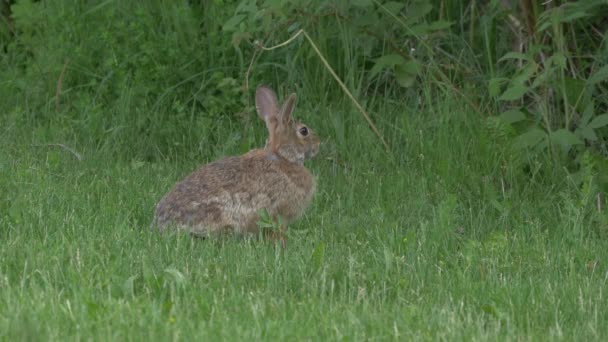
point(487, 221)
point(68, 62)
point(557, 86)
point(546, 61)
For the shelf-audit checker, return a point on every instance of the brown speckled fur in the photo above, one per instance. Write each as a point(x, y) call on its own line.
point(227, 195)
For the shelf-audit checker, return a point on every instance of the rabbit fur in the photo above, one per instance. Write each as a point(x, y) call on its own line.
point(228, 195)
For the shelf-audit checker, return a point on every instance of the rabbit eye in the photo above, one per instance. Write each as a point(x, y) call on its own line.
point(303, 131)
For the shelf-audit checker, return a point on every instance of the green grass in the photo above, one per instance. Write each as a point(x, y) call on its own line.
point(452, 235)
point(403, 249)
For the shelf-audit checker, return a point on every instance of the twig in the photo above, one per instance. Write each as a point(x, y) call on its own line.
point(253, 59)
point(333, 73)
point(64, 147)
point(59, 83)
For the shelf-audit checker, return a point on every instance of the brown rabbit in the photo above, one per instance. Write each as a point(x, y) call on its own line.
point(227, 195)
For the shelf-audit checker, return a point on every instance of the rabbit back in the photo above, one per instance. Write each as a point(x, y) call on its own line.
point(227, 195)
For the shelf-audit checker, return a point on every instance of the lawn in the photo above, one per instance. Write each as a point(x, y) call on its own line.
point(429, 246)
point(448, 235)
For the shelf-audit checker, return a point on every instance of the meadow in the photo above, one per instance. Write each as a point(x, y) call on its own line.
point(449, 234)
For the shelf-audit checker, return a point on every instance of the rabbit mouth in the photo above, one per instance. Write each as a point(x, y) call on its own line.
point(311, 153)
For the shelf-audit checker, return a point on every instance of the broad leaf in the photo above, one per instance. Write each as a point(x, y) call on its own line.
point(393, 7)
point(576, 93)
point(565, 138)
point(599, 121)
point(25, 14)
point(530, 138)
point(586, 133)
point(440, 25)
point(233, 22)
point(588, 113)
point(512, 116)
point(494, 85)
point(598, 76)
point(413, 67)
point(515, 92)
point(238, 37)
point(362, 3)
point(387, 61)
point(419, 9)
point(542, 78)
point(526, 72)
point(403, 77)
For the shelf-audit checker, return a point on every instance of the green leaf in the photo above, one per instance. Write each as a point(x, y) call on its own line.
point(275, 5)
point(26, 14)
point(530, 138)
point(494, 85)
point(412, 67)
point(514, 55)
point(238, 37)
point(576, 92)
point(542, 78)
point(588, 113)
point(362, 3)
point(558, 59)
point(525, 73)
point(515, 92)
point(419, 29)
point(250, 7)
point(440, 25)
point(586, 133)
point(393, 7)
point(598, 76)
point(599, 121)
point(573, 16)
point(387, 61)
point(405, 74)
point(370, 19)
point(265, 221)
point(404, 78)
point(390, 60)
point(512, 116)
point(565, 138)
point(419, 9)
point(233, 22)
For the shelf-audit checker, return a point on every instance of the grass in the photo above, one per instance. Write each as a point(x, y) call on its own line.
point(389, 250)
point(452, 236)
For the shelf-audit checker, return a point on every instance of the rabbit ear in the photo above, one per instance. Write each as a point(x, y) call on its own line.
point(288, 106)
point(266, 103)
point(268, 107)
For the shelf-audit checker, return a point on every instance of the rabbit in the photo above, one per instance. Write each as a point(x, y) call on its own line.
point(228, 195)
